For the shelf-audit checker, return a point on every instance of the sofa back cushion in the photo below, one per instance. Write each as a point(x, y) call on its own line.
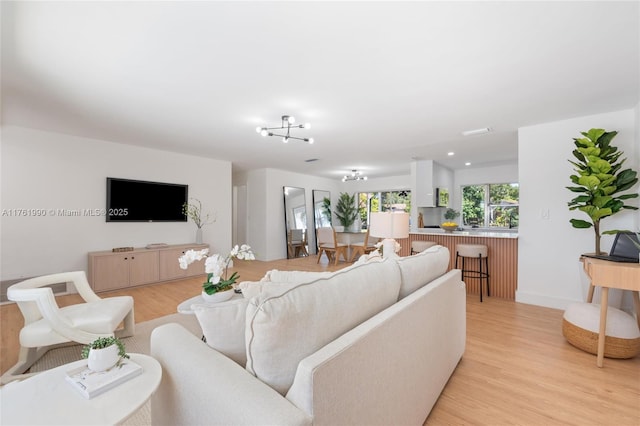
point(282, 330)
point(422, 268)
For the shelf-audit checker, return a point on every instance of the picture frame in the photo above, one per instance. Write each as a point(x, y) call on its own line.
point(442, 197)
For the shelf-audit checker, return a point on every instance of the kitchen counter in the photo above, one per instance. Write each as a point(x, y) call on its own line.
point(503, 256)
point(466, 233)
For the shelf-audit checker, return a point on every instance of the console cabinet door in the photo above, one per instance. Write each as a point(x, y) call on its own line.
point(110, 272)
point(170, 268)
point(143, 268)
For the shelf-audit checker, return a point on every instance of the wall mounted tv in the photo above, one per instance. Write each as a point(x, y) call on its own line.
point(142, 201)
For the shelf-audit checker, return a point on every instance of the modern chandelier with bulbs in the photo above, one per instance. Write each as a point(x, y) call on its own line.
point(287, 124)
point(355, 175)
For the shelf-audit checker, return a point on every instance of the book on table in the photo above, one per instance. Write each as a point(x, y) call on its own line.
point(91, 383)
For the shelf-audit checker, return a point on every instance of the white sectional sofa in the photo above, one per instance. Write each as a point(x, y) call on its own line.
point(374, 343)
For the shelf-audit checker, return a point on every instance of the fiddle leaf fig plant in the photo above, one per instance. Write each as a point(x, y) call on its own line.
point(346, 210)
point(599, 180)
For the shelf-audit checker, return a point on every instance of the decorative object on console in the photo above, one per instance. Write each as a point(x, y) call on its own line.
point(598, 178)
point(193, 211)
point(288, 124)
point(355, 175)
point(389, 226)
point(217, 268)
point(104, 353)
point(121, 249)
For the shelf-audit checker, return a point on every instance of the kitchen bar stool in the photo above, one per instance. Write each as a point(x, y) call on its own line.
point(420, 246)
point(479, 252)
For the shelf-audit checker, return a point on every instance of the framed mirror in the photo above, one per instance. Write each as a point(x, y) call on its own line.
point(295, 221)
point(321, 210)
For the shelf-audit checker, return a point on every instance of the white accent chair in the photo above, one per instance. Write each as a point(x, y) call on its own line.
point(46, 325)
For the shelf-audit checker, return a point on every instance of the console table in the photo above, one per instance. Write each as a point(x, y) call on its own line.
point(607, 274)
point(110, 270)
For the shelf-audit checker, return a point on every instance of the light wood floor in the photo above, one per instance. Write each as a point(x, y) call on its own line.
point(517, 368)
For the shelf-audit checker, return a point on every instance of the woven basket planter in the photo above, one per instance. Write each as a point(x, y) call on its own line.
point(614, 347)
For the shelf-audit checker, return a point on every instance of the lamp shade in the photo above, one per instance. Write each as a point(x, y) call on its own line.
point(389, 225)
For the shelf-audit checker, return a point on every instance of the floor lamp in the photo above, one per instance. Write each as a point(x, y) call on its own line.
point(389, 225)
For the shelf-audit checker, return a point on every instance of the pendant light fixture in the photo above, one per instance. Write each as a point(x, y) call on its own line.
point(287, 124)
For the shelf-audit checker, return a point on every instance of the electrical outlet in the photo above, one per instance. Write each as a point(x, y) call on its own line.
point(544, 213)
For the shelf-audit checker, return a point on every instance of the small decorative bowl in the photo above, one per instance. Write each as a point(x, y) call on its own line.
point(449, 228)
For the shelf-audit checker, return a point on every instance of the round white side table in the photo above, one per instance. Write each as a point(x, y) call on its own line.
point(47, 398)
point(185, 307)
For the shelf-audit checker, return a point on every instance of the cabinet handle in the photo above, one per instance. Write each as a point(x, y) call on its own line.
point(126, 258)
point(132, 257)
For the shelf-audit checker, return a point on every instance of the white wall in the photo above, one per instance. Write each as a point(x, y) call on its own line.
point(43, 170)
point(549, 273)
point(265, 219)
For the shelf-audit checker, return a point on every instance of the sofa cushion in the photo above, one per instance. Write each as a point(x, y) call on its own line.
point(264, 288)
point(421, 268)
point(282, 330)
point(293, 276)
point(223, 326)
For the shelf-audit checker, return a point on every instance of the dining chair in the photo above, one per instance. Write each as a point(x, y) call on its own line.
point(296, 243)
point(46, 325)
point(358, 249)
point(329, 245)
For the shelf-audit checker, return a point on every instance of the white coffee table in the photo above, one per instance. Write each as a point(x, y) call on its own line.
point(185, 307)
point(47, 399)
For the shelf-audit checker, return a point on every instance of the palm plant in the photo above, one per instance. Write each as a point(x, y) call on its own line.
point(599, 178)
point(346, 210)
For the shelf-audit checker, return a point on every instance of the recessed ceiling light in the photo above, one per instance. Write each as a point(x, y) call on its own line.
point(476, 131)
point(467, 164)
point(450, 153)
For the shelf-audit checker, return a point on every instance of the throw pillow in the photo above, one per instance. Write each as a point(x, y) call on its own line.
point(422, 268)
point(282, 330)
point(223, 326)
point(293, 276)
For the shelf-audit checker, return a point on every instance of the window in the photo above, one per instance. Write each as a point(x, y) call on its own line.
point(371, 202)
point(491, 206)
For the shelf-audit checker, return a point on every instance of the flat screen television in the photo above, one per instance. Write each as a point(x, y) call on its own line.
point(142, 201)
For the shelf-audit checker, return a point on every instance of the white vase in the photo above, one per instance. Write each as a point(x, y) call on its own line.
point(103, 359)
point(218, 296)
point(199, 236)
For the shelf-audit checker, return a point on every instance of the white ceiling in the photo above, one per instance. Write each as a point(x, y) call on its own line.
point(380, 82)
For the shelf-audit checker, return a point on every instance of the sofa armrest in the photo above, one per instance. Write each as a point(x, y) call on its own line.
point(201, 386)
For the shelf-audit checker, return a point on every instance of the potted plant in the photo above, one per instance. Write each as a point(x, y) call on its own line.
point(450, 224)
point(326, 208)
point(217, 286)
point(598, 179)
point(193, 211)
point(103, 353)
point(346, 210)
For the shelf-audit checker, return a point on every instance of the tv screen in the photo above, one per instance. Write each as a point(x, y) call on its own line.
point(141, 201)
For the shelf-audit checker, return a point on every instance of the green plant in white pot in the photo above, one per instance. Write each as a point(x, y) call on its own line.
point(103, 353)
point(599, 180)
point(346, 210)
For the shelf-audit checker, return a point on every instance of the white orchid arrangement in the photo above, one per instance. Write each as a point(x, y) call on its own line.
point(217, 266)
point(379, 245)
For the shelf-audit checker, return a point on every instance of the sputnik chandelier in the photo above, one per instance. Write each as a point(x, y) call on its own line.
point(355, 175)
point(287, 124)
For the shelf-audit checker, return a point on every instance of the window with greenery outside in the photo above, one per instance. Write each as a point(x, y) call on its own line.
point(493, 205)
